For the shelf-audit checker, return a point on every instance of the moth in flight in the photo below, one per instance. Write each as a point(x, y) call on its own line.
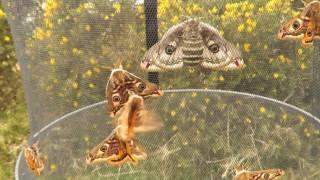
point(192, 43)
point(306, 26)
point(269, 174)
point(121, 146)
point(120, 83)
point(34, 161)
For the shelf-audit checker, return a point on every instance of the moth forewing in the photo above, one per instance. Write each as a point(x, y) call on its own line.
point(33, 159)
point(111, 150)
point(120, 83)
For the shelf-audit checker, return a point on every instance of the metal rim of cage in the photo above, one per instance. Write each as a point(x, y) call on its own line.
point(249, 95)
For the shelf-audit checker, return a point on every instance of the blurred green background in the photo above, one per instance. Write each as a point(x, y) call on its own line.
point(281, 70)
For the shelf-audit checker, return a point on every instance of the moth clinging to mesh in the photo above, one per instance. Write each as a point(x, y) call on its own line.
point(269, 174)
point(120, 83)
point(192, 43)
point(306, 26)
point(121, 145)
point(34, 161)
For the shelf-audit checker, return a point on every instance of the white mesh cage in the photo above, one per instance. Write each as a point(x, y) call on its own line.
point(67, 49)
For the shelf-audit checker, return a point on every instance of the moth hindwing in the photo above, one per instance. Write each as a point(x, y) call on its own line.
point(306, 26)
point(269, 174)
point(32, 156)
point(122, 82)
point(115, 151)
point(192, 43)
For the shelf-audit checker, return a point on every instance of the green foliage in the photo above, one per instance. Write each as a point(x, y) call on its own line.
point(13, 114)
point(9, 69)
point(13, 133)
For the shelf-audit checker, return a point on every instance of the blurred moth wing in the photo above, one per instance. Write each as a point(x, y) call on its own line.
point(270, 174)
point(190, 43)
point(120, 83)
point(134, 117)
point(114, 151)
point(32, 156)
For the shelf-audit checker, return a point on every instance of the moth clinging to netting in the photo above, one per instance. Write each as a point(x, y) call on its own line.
point(120, 83)
point(121, 146)
point(192, 43)
point(268, 174)
point(306, 26)
point(33, 159)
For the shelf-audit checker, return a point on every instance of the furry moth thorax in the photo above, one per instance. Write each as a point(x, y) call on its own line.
point(306, 26)
point(192, 43)
point(32, 156)
point(121, 83)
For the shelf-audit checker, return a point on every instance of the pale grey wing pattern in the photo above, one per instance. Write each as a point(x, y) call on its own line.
point(218, 52)
point(159, 57)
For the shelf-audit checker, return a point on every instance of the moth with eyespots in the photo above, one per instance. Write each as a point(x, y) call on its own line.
point(306, 26)
point(269, 174)
point(114, 151)
point(192, 43)
point(34, 161)
point(120, 83)
point(121, 146)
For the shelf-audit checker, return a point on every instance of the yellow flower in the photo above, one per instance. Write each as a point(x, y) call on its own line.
point(241, 27)
point(53, 167)
point(75, 85)
point(174, 19)
point(300, 51)
point(106, 17)
point(93, 61)
point(52, 61)
point(75, 104)
point(221, 78)
point(86, 139)
point(196, 8)
point(7, 38)
point(249, 29)
point(117, 7)
point(262, 109)
point(2, 14)
point(64, 40)
point(247, 47)
point(285, 116)
point(276, 75)
point(213, 10)
point(248, 120)
point(88, 73)
point(302, 66)
point(88, 27)
point(183, 104)
point(301, 119)
point(39, 33)
point(173, 113)
point(97, 70)
point(194, 94)
point(174, 128)
point(91, 85)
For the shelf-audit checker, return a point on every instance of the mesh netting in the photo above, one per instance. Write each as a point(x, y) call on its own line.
point(206, 134)
point(67, 49)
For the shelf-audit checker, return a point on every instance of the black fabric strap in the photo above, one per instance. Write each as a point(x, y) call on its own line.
point(150, 10)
